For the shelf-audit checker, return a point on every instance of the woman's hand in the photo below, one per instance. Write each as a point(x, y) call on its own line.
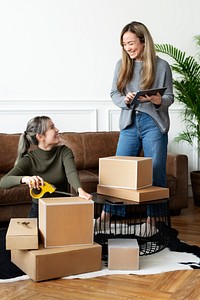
point(33, 181)
point(155, 99)
point(129, 98)
point(83, 194)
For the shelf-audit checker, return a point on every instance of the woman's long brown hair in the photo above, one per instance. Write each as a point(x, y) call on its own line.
point(148, 57)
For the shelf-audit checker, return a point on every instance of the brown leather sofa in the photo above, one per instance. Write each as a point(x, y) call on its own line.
point(87, 147)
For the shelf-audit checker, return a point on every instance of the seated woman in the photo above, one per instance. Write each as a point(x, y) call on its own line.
point(49, 161)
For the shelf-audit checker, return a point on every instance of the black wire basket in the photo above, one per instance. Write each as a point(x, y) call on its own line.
point(129, 220)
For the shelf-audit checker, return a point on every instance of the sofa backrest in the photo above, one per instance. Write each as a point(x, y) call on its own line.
point(88, 147)
point(8, 151)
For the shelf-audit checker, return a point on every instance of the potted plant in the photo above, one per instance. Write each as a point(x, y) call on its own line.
point(187, 91)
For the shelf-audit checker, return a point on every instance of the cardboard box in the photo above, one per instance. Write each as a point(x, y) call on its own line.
point(123, 254)
point(44, 264)
point(147, 194)
point(66, 221)
point(22, 234)
point(125, 172)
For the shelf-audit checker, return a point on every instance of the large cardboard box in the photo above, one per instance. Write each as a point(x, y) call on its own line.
point(66, 221)
point(125, 172)
point(44, 264)
point(22, 233)
point(146, 194)
point(123, 254)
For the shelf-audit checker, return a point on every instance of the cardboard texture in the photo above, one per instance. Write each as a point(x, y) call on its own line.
point(123, 254)
point(22, 234)
point(125, 172)
point(146, 194)
point(66, 221)
point(44, 264)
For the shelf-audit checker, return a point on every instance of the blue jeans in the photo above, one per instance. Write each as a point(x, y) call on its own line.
point(33, 213)
point(144, 134)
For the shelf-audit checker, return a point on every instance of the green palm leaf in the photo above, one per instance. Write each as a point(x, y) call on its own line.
point(187, 89)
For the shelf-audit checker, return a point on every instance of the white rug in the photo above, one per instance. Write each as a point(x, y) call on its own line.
point(163, 261)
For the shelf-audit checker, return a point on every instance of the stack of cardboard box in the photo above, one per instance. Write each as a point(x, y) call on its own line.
point(66, 240)
point(129, 178)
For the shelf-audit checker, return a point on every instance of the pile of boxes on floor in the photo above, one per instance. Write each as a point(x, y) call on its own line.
point(66, 235)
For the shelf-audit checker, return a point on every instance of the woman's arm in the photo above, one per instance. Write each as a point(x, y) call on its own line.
point(72, 174)
point(117, 98)
point(15, 175)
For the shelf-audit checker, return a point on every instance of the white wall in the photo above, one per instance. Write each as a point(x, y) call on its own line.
point(66, 50)
point(57, 58)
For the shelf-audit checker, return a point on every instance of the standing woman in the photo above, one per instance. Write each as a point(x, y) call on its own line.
point(145, 125)
point(49, 162)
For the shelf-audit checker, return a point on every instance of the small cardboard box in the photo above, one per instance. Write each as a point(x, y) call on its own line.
point(44, 264)
point(22, 234)
point(123, 254)
point(146, 194)
point(125, 172)
point(66, 221)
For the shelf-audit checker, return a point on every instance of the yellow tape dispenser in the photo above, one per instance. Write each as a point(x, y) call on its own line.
point(46, 188)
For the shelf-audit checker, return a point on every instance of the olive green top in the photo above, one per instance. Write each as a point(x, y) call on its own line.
point(55, 166)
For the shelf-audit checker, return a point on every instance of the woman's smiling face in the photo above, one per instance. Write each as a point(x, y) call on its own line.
point(51, 137)
point(132, 45)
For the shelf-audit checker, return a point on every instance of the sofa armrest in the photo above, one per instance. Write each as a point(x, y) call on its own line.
point(177, 166)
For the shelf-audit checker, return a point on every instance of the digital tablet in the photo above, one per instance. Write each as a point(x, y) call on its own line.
point(149, 92)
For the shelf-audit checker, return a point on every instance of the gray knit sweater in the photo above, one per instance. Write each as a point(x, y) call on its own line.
point(160, 114)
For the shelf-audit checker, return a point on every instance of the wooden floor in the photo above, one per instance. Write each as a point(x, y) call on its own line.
point(171, 285)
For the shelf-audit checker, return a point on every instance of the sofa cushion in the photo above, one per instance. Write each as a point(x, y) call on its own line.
point(15, 196)
point(89, 180)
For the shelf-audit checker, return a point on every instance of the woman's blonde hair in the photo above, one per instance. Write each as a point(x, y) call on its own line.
point(148, 57)
point(37, 125)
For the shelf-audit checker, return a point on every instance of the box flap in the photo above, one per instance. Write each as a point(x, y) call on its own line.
point(64, 200)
